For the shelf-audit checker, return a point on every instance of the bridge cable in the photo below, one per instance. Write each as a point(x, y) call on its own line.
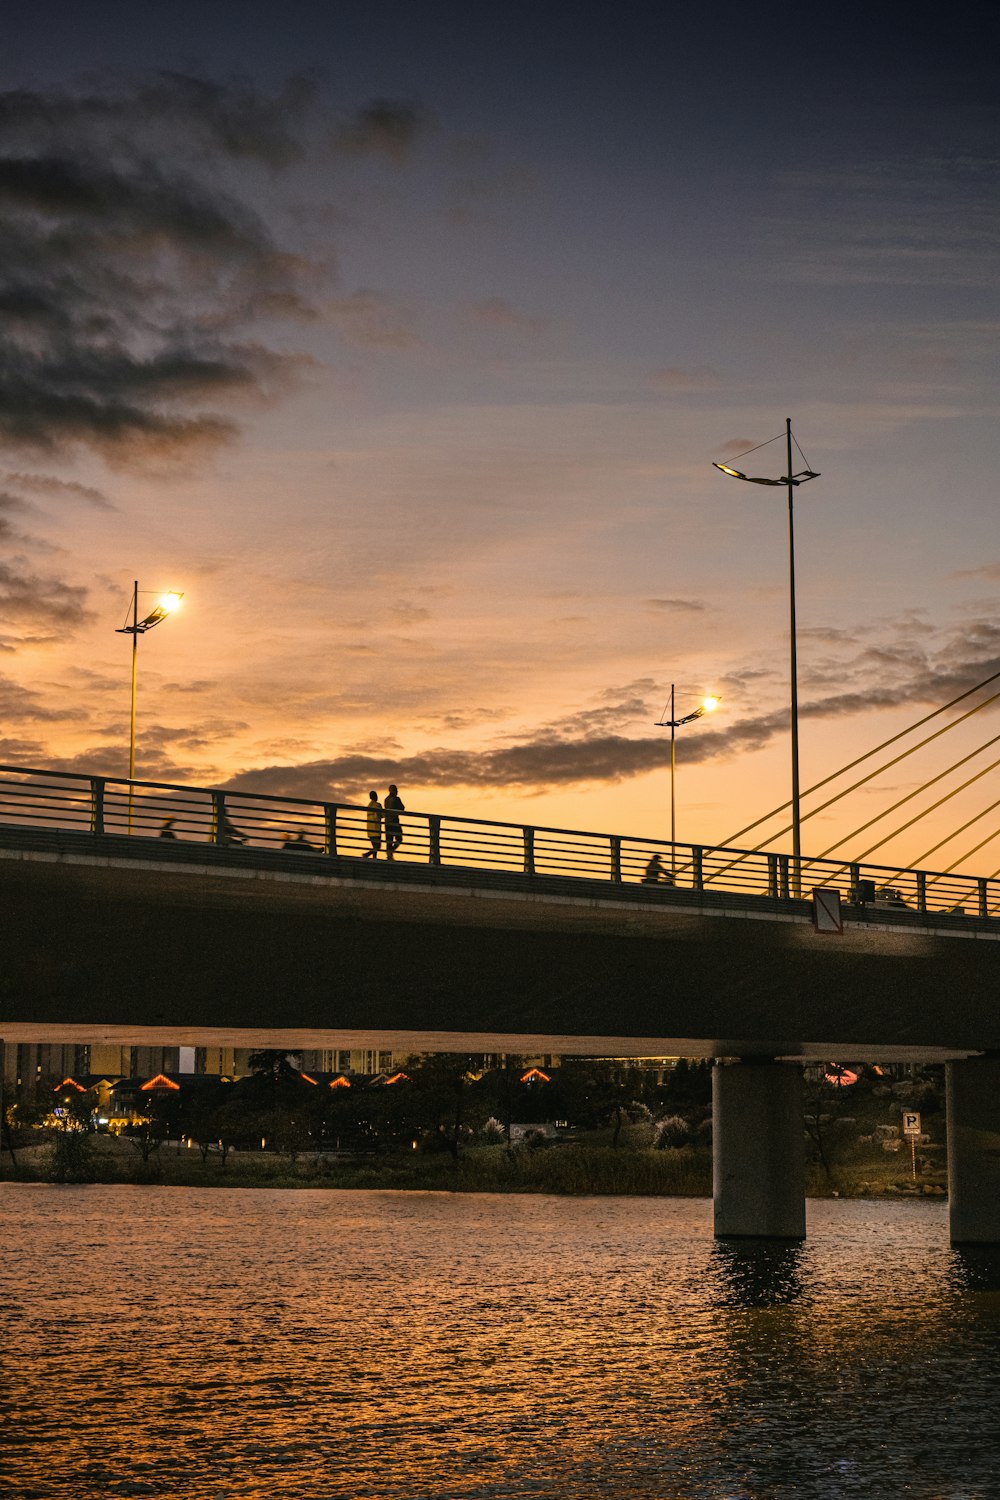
point(857, 858)
point(933, 780)
point(940, 874)
point(731, 839)
point(871, 776)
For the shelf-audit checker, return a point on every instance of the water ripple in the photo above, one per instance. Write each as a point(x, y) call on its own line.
point(236, 1345)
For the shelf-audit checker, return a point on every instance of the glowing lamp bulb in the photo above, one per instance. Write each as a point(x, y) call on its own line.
point(710, 705)
point(170, 602)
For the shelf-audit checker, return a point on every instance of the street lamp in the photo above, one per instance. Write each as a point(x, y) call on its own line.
point(164, 607)
point(791, 481)
point(706, 706)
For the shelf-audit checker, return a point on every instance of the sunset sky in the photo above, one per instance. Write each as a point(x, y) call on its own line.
point(401, 337)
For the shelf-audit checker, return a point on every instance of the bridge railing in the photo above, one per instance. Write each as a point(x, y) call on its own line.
point(146, 810)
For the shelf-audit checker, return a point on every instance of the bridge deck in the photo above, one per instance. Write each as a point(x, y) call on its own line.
point(494, 936)
point(52, 811)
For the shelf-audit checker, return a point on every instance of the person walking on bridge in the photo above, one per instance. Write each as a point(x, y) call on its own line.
point(393, 827)
point(373, 825)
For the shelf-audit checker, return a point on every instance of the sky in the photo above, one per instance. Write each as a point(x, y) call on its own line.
point(402, 338)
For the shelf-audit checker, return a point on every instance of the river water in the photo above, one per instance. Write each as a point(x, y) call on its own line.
point(214, 1344)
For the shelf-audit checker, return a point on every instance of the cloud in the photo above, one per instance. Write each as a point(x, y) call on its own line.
point(497, 312)
point(678, 381)
point(52, 488)
point(590, 747)
point(138, 269)
point(406, 613)
point(20, 705)
point(373, 321)
point(676, 606)
point(231, 118)
point(989, 571)
point(386, 127)
point(20, 752)
point(924, 218)
point(40, 599)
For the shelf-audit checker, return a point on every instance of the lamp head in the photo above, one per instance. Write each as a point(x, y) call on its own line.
point(165, 606)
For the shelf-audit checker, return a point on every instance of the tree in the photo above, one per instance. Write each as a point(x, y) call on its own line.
point(593, 1093)
point(276, 1103)
point(450, 1098)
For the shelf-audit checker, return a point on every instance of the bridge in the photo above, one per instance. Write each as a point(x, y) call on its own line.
point(258, 921)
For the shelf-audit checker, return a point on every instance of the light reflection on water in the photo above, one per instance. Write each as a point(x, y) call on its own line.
point(214, 1344)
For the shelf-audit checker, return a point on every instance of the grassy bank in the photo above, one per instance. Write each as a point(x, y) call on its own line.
point(578, 1169)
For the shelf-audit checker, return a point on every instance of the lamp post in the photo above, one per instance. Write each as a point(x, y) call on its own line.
point(165, 606)
point(791, 481)
point(706, 706)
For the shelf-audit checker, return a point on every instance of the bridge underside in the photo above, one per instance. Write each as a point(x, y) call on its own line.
point(406, 1043)
point(196, 954)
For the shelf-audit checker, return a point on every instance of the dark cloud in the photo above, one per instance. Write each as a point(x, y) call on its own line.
point(20, 752)
point(10, 505)
point(385, 128)
point(585, 748)
point(135, 266)
point(52, 488)
point(232, 117)
point(40, 599)
point(676, 606)
point(20, 705)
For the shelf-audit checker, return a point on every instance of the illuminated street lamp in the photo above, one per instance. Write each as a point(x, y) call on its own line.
point(706, 706)
point(164, 607)
point(790, 480)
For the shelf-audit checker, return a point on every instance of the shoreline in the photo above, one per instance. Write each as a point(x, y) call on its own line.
point(579, 1170)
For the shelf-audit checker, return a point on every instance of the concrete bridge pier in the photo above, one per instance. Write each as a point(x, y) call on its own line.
point(973, 1103)
point(758, 1152)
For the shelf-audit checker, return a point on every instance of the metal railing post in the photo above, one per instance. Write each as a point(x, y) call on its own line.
point(218, 816)
point(529, 851)
point(97, 784)
point(434, 838)
point(697, 868)
point(854, 875)
point(783, 890)
point(984, 898)
point(329, 828)
point(921, 890)
point(616, 858)
point(772, 875)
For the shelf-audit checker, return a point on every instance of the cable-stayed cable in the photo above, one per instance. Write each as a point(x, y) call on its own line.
point(892, 740)
point(933, 780)
point(857, 858)
point(877, 772)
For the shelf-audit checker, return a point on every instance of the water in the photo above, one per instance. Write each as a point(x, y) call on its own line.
point(214, 1344)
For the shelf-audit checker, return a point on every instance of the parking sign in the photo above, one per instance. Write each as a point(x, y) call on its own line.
point(911, 1122)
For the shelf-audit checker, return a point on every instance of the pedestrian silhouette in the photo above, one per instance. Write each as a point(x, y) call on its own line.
point(656, 874)
point(393, 827)
point(373, 825)
point(229, 833)
point(167, 829)
point(297, 841)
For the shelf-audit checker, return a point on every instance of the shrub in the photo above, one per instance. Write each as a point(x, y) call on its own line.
point(672, 1130)
point(71, 1159)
